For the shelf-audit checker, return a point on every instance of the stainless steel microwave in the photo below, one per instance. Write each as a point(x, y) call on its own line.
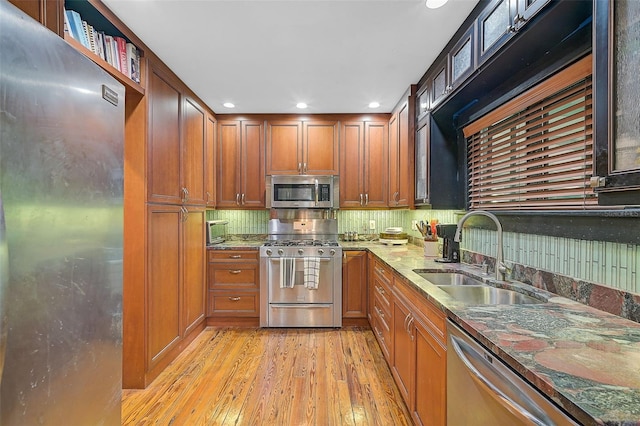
point(303, 191)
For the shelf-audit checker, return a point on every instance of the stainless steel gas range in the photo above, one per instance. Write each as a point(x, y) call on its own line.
point(301, 274)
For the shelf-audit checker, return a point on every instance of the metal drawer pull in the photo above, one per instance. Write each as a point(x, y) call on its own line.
point(235, 272)
point(235, 256)
point(234, 299)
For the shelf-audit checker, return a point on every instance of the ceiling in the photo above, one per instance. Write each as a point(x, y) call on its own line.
point(265, 56)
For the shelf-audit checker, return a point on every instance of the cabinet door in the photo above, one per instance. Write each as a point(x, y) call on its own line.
point(394, 161)
point(210, 162)
point(462, 59)
point(193, 153)
point(351, 164)
point(193, 261)
point(284, 148)
point(252, 165)
point(164, 153)
point(422, 162)
point(376, 164)
point(400, 164)
point(493, 28)
point(429, 406)
point(48, 12)
point(354, 284)
point(320, 147)
point(228, 164)
point(439, 82)
point(163, 286)
point(403, 347)
point(616, 88)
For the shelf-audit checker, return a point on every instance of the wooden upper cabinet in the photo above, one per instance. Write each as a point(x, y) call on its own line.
point(252, 184)
point(176, 143)
point(49, 13)
point(240, 164)
point(228, 163)
point(210, 161)
point(193, 149)
point(164, 150)
point(351, 164)
point(363, 164)
point(297, 147)
point(376, 164)
point(320, 147)
point(284, 147)
point(401, 145)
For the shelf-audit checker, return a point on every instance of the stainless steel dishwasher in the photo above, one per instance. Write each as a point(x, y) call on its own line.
point(482, 390)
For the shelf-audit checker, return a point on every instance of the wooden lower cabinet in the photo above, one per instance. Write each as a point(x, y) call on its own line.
point(411, 332)
point(354, 284)
point(419, 355)
point(175, 292)
point(381, 318)
point(233, 287)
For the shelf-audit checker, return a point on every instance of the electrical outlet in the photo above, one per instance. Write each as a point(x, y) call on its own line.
point(414, 225)
point(372, 225)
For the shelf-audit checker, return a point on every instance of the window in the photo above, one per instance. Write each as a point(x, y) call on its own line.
point(536, 151)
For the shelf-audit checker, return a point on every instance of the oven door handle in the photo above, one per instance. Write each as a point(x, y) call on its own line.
point(301, 305)
point(322, 259)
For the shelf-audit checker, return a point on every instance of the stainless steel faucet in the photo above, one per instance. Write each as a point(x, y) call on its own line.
point(501, 268)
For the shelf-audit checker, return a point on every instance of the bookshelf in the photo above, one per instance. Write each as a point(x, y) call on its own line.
point(103, 22)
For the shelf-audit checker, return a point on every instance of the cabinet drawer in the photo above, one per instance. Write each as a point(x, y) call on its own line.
point(383, 273)
point(233, 276)
point(382, 308)
point(234, 304)
point(383, 335)
point(233, 255)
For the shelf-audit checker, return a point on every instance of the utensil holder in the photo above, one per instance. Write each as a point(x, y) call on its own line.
point(431, 248)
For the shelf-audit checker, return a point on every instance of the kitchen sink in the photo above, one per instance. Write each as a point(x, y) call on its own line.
point(448, 278)
point(487, 295)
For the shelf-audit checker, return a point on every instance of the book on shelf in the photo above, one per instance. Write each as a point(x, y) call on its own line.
point(133, 62)
point(122, 55)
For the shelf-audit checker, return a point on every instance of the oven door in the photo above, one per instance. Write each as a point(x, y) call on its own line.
point(299, 293)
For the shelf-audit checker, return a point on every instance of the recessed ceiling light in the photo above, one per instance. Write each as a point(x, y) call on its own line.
point(374, 104)
point(301, 105)
point(434, 4)
point(228, 105)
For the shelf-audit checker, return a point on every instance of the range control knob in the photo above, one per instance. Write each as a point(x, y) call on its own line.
point(320, 251)
point(280, 252)
point(300, 251)
point(332, 252)
point(268, 251)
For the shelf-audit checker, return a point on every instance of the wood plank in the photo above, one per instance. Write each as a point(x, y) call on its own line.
point(255, 376)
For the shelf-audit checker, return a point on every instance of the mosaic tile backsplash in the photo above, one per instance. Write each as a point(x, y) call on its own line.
point(612, 264)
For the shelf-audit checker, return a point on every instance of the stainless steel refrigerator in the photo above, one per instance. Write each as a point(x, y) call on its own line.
point(61, 224)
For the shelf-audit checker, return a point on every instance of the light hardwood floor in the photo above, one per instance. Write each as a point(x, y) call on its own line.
point(235, 376)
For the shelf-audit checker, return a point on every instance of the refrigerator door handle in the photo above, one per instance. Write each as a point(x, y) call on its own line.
point(4, 286)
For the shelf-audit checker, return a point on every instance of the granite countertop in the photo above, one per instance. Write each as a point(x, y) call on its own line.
point(586, 360)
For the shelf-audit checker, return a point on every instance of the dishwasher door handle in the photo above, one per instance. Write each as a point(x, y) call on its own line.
point(503, 399)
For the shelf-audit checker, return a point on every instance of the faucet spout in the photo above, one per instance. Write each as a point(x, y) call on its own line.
point(501, 268)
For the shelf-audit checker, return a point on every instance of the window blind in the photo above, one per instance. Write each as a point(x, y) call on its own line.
point(536, 151)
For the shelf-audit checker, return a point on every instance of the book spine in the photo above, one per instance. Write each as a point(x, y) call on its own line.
point(77, 20)
point(133, 61)
point(85, 38)
point(122, 52)
point(114, 52)
point(67, 24)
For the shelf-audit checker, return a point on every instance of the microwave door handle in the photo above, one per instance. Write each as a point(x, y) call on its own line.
point(317, 190)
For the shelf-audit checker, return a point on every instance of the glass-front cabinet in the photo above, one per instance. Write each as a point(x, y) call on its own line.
point(501, 20)
point(617, 111)
point(422, 162)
